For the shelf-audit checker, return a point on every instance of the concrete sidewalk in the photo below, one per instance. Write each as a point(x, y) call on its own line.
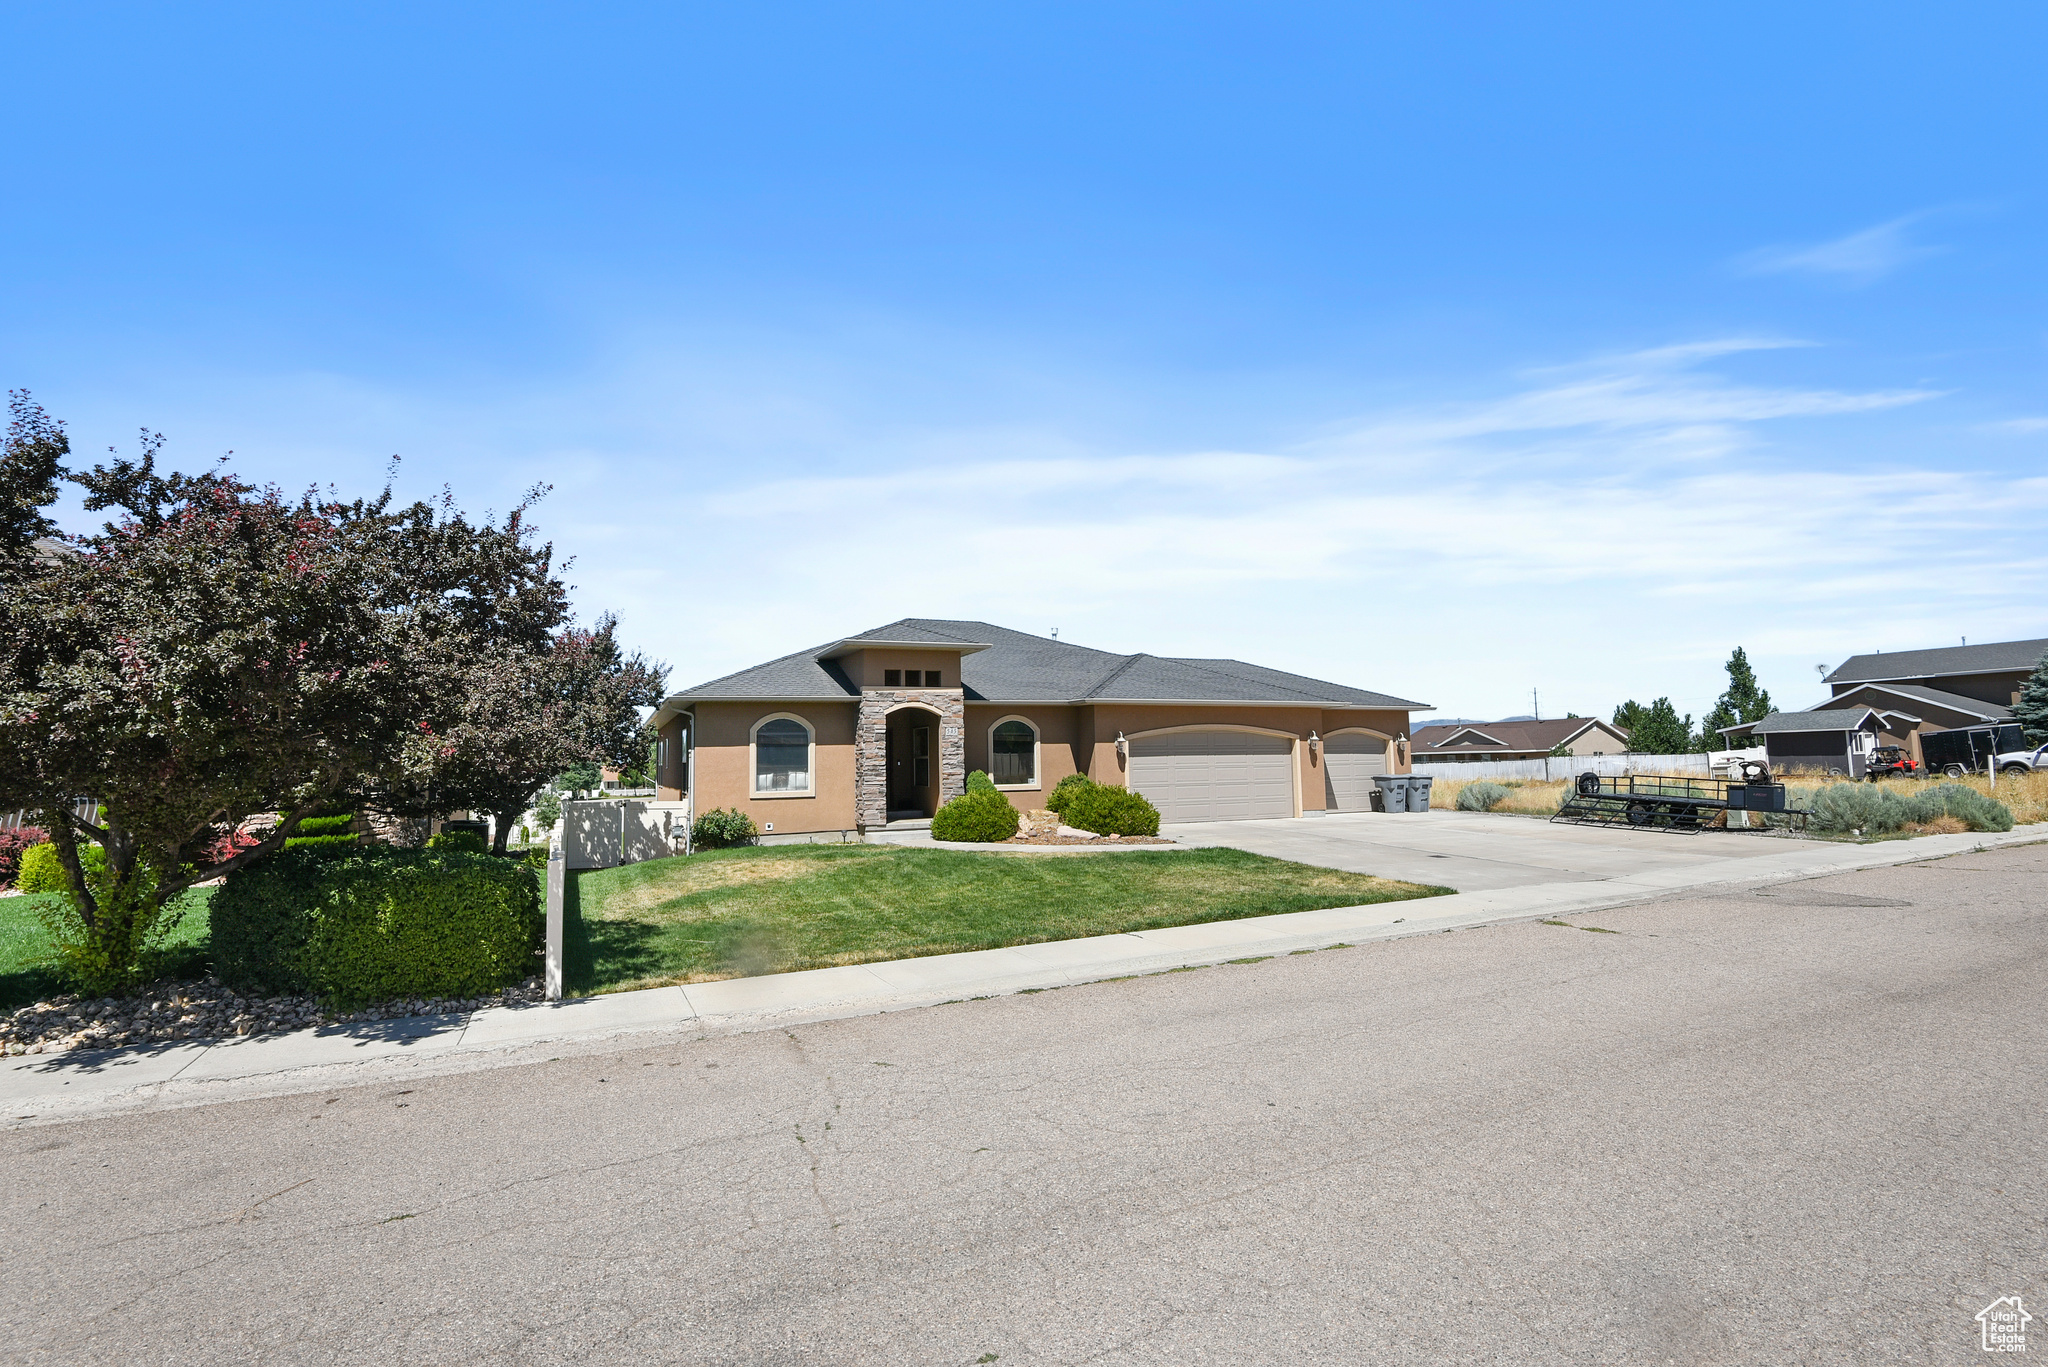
point(50, 1086)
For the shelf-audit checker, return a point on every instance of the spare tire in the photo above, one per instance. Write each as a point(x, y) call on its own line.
point(1589, 783)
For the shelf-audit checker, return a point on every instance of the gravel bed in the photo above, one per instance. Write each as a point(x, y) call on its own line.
point(204, 1010)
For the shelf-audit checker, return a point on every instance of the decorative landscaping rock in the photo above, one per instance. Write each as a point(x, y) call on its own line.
point(203, 1010)
point(1043, 827)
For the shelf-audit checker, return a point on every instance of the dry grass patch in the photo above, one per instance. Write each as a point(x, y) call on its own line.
point(733, 913)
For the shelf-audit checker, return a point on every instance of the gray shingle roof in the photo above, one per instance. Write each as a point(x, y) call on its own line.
point(1928, 664)
point(1018, 667)
point(1512, 735)
point(1955, 702)
point(1820, 719)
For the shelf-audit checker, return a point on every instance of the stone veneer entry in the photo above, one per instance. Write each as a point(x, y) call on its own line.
point(871, 748)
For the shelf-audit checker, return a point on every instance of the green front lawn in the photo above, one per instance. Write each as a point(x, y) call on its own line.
point(25, 975)
point(734, 913)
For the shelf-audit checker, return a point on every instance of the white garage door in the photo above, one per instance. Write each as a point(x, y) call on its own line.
point(1214, 775)
point(1349, 762)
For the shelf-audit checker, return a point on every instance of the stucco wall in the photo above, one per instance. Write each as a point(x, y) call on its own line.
point(1061, 750)
point(725, 765)
point(866, 667)
point(1071, 740)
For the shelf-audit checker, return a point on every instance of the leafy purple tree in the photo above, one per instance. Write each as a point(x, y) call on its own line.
point(527, 713)
point(217, 650)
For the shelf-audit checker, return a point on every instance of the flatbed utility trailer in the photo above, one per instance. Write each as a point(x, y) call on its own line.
point(1686, 806)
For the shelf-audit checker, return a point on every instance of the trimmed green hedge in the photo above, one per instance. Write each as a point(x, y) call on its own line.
point(977, 814)
point(459, 840)
point(326, 825)
point(980, 782)
point(375, 925)
point(1107, 810)
point(320, 842)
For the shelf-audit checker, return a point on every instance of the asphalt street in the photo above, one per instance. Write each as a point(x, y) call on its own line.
point(1801, 1125)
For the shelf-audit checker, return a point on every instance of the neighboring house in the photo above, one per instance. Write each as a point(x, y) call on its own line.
point(1936, 690)
point(1470, 742)
point(886, 725)
point(1992, 673)
point(1825, 740)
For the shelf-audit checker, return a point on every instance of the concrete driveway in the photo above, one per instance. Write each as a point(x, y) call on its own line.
point(1478, 852)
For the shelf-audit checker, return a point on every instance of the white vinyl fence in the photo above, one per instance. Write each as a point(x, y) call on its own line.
point(1570, 766)
point(606, 833)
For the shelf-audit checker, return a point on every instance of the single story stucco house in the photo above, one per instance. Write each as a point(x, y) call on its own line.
point(1473, 742)
point(844, 738)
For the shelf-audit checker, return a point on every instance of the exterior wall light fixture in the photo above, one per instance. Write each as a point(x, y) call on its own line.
point(1123, 747)
point(1315, 744)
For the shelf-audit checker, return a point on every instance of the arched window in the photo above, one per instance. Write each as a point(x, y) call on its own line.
point(782, 756)
point(1013, 753)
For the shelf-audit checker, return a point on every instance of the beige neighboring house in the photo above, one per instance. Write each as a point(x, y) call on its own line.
point(884, 726)
point(1473, 742)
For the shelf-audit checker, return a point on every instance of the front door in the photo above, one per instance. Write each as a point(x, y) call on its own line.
point(910, 768)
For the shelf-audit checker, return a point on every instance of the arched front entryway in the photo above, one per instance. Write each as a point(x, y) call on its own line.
point(912, 738)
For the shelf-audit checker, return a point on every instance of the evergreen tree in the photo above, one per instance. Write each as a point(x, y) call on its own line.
point(1655, 730)
point(2031, 711)
point(1743, 702)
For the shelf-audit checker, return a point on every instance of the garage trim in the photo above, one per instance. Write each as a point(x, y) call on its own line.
point(1293, 753)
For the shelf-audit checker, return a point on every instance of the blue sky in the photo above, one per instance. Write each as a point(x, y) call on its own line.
point(1446, 350)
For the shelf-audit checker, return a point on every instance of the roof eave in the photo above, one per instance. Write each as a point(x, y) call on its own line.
point(854, 643)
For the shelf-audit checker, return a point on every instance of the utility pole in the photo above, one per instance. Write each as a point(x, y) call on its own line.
point(1535, 706)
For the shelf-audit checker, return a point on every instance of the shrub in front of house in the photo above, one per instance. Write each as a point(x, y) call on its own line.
point(1481, 796)
point(977, 814)
point(979, 782)
point(456, 840)
point(377, 925)
point(1108, 810)
point(723, 828)
point(14, 844)
point(1063, 791)
point(41, 870)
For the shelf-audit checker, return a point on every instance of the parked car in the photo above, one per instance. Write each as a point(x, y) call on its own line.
point(1891, 761)
point(2023, 761)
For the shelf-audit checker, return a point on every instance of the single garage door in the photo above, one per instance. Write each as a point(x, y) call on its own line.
point(1349, 763)
point(1214, 775)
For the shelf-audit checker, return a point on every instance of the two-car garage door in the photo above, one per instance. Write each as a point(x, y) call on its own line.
point(1214, 775)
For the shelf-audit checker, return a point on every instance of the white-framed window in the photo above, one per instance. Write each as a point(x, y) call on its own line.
point(1013, 753)
point(784, 748)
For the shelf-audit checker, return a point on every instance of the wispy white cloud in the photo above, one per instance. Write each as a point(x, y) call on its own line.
point(1602, 529)
point(1860, 258)
point(1610, 534)
point(2015, 427)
